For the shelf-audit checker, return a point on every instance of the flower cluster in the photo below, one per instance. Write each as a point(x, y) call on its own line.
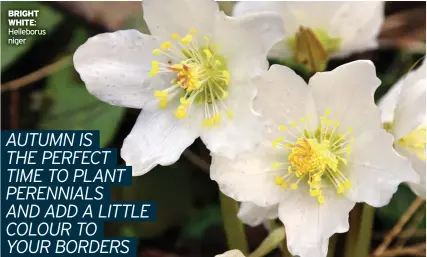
point(301, 152)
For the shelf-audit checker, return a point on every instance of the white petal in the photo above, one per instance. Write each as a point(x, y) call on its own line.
point(359, 26)
point(404, 92)
point(232, 136)
point(419, 166)
point(375, 169)
point(157, 138)
point(245, 41)
point(254, 215)
point(309, 225)
point(282, 95)
point(179, 16)
point(388, 102)
point(115, 66)
point(411, 109)
point(231, 253)
point(248, 178)
point(348, 91)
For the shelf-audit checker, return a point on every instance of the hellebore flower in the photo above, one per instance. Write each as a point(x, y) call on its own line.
point(341, 28)
point(324, 149)
point(404, 116)
point(190, 77)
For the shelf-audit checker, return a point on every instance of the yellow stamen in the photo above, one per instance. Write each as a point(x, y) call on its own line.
point(187, 39)
point(166, 45)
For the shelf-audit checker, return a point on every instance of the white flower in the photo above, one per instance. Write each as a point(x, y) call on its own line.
point(254, 215)
point(324, 149)
point(231, 253)
point(404, 115)
point(191, 78)
point(342, 27)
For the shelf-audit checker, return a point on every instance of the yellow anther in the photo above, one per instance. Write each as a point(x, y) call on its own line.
point(278, 180)
point(208, 53)
point(175, 36)
point(284, 185)
point(317, 178)
point(303, 120)
point(154, 68)
point(184, 101)
point(193, 31)
point(230, 114)
point(340, 189)
point(207, 39)
point(336, 123)
point(160, 94)
point(207, 123)
point(180, 112)
point(351, 139)
point(224, 94)
point(347, 184)
point(276, 165)
point(294, 186)
point(216, 119)
point(315, 192)
point(321, 199)
point(350, 130)
point(283, 128)
point(226, 76)
point(327, 111)
point(309, 115)
point(163, 102)
point(166, 45)
point(289, 146)
point(157, 51)
point(293, 124)
point(187, 39)
point(348, 150)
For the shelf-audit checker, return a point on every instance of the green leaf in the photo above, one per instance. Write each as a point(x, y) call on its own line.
point(47, 20)
point(170, 188)
point(389, 215)
point(71, 106)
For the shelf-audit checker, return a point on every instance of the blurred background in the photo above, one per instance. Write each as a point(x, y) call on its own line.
point(41, 90)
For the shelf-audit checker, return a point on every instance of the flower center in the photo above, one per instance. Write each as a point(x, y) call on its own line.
point(315, 157)
point(329, 44)
point(201, 77)
point(416, 142)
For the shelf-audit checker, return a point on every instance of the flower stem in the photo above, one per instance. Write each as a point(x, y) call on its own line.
point(399, 226)
point(233, 227)
point(270, 243)
point(365, 232)
point(353, 232)
point(284, 248)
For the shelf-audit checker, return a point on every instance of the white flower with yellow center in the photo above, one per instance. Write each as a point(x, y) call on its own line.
point(404, 116)
point(324, 149)
point(341, 27)
point(190, 77)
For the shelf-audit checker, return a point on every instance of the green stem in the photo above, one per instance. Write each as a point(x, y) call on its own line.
point(233, 227)
point(332, 244)
point(353, 232)
point(284, 248)
point(365, 233)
